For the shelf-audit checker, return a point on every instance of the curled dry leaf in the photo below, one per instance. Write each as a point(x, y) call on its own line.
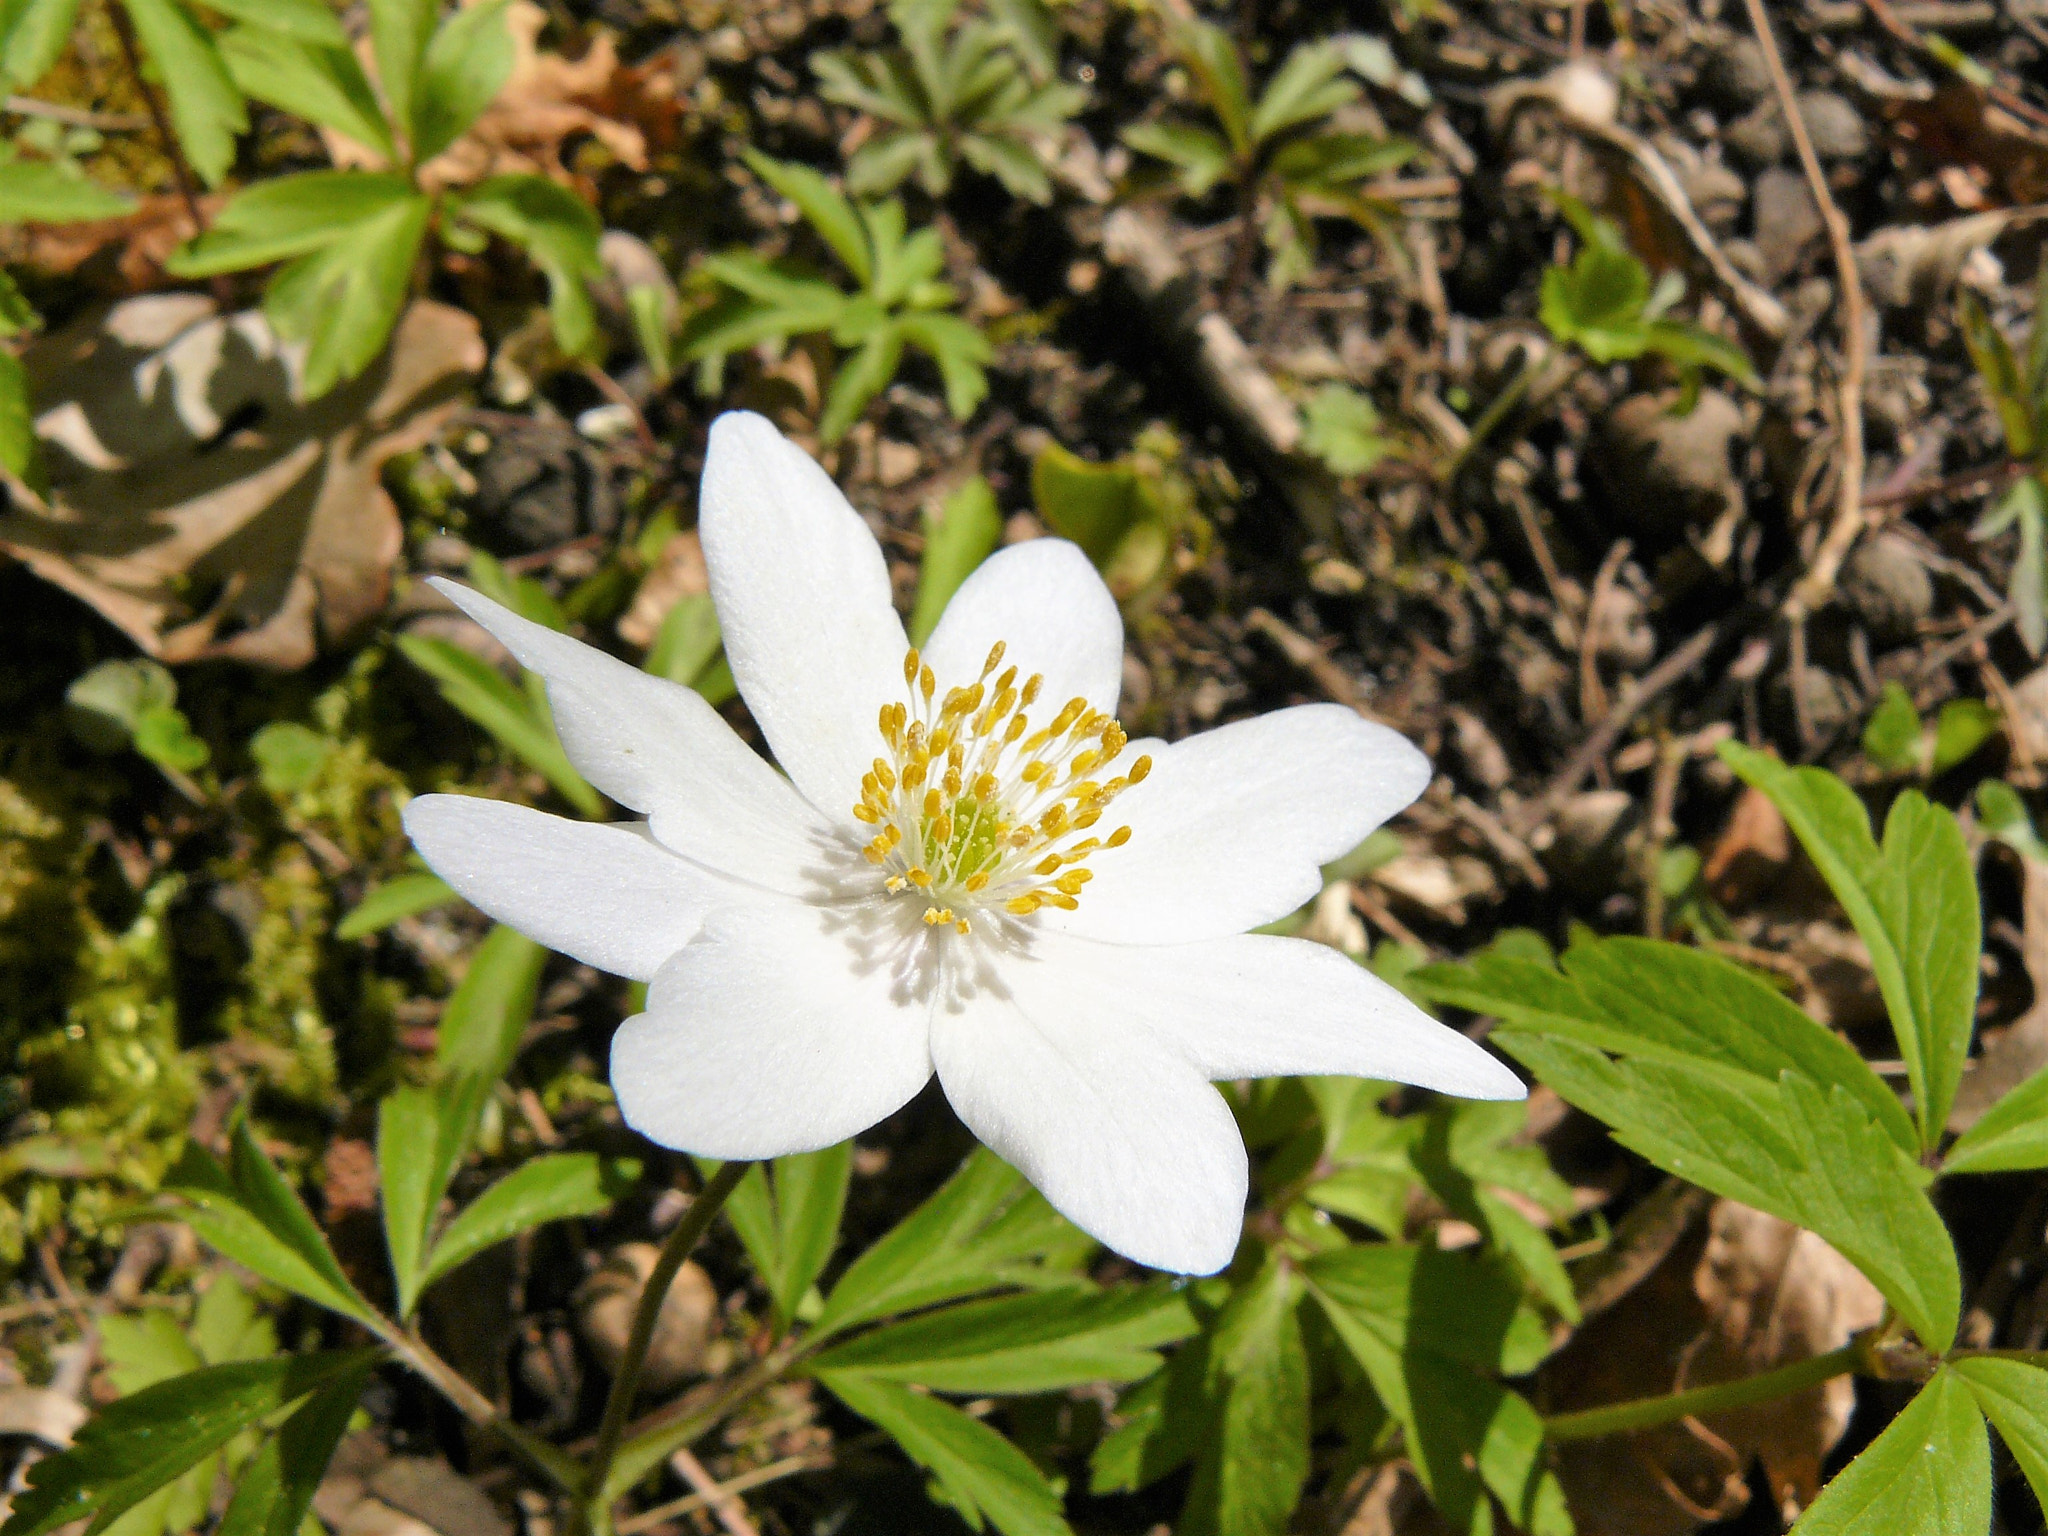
point(198, 502)
point(1744, 1292)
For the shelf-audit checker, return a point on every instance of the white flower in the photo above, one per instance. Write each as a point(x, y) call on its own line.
point(968, 870)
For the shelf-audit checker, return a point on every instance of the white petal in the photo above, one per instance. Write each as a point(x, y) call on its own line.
point(803, 598)
point(656, 747)
point(1260, 1006)
point(1044, 601)
point(1232, 826)
point(769, 1035)
point(607, 895)
point(1125, 1138)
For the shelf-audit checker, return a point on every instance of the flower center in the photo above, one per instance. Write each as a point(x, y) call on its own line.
point(975, 809)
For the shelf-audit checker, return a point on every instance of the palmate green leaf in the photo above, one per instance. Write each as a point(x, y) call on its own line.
point(324, 85)
point(559, 233)
point(289, 216)
point(1250, 1472)
point(1810, 1155)
point(466, 63)
point(551, 1188)
point(344, 299)
point(2013, 1395)
point(136, 1445)
point(902, 261)
point(1664, 1002)
point(985, 1228)
point(859, 379)
point(974, 1469)
point(1012, 161)
point(1212, 58)
point(893, 157)
point(1040, 1341)
point(44, 192)
point(248, 1212)
point(206, 109)
point(1165, 1418)
point(477, 689)
point(789, 1220)
point(274, 1493)
point(1202, 158)
point(959, 533)
point(32, 34)
point(1341, 427)
point(398, 898)
point(2010, 1136)
point(958, 348)
point(1424, 1325)
point(1597, 303)
point(823, 208)
point(1928, 1474)
point(1913, 903)
point(16, 313)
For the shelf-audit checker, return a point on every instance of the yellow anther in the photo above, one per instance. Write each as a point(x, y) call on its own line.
point(913, 775)
point(1113, 741)
point(1054, 822)
point(1140, 769)
point(942, 829)
point(1118, 838)
point(1017, 726)
point(893, 833)
point(1003, 683)
point(952, 781)
point(995, 658)
point(960, 927)
point(1034, 771)
point(942, 741)
point(1023, 906)
point(1049, 865)
point(1032, 684)
point(932, 803)
point(873, 854)
point(927, 684)
point(985, 787)
point(1069, 713)
point(884, 774)
point(911, 663)
point(1072, 881)
point(919, 878)
point(1086, 820)
point(977, 882)
point(894, 884)
point(867, 813)
point(1059, 899)
point(1082, 763)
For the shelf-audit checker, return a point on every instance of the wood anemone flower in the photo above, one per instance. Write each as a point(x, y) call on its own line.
point(968, 869)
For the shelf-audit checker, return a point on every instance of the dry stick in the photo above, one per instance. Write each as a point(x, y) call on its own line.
point(125, 31)
point(775, 1471)
point(723, 1502)
point(1592, 692)
point(1818, 584)
point(1531, 814)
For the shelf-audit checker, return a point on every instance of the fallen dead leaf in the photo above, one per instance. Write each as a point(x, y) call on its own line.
point(1742, 1293)
point(678, 573)
point(114, 257)
point(2021, 1049)
point(198, 502)
point(1751, 853)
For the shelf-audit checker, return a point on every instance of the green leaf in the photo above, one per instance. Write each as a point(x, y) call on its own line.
point(274, 1493)
point(344, 299)
point(408, 1131)
point(1691, 348)
point(134, 1446)
point(44, 192)
point(144, 1348)
point(226, 1325)
point(382, 905)
point(1342, 428)
point(790, 1222)
point(1212, 58)
point(289, 216)
point(487, 1016)
point(974, 1469)
point(399, 31)
point(1423, 1325)
point(324, 85)
point(1597, 304)
point(1811, 1156)
point(551, 1188)
point(1663, 1002)
point(1034, 1342)
point(477, 689)
point(1891, 738)
point(1309, 85)
point(1095, 505)
point(688, 642)
point(2002, 814)
point(559, 233)
point(1201, 157)
point(248, 1212)
point(1250, 1473)
point(2013, 1395)
point(19, 455)
point(2010, 1136)
point(1914, 904)
point(288, 756)
point(986, 1227)
point(1928, 1474)
point(823, 208)
point(959, 533)
point(164, 736)
point(466, 64)
point(2000, 371)
point(206, 109)
point(32, 34)
point(311, 21)
point(858, 380)
point(1960, 729)
point(102, 706)
point(959, 349)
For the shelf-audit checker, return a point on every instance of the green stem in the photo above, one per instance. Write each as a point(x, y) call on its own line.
point(419, 1357)
point(1647, 1412)
point(626, 1381)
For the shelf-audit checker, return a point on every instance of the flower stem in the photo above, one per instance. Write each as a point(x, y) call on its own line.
point(1647, 1412)
point(626, 1381)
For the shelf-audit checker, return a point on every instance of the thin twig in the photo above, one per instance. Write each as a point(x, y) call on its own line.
point(722, 1500)
point(774, 1472)
point(75, 117)
point(124, 30)
point(1818, 584)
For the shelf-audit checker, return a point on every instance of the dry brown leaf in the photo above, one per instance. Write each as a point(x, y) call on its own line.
point(115, 257)
point(678, 573)
point(2021, 1049)
point(1751, 854)
point(1959, 126)
point(199, 504)
point(1743, 1293)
